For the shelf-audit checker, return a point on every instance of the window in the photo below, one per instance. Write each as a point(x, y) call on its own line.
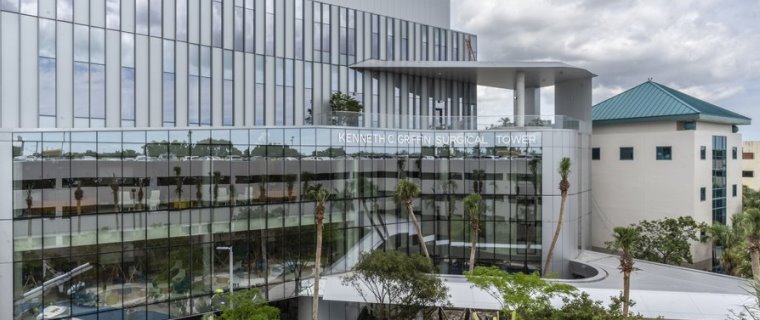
point(733, 190)
point(169, 82)
point(748, 174)
point(702, 194)
point(228, 108)
point(703, 152)
point(626, 153)
point(664, 153)
point(734, 153)
point(216, 23)
point(596, 153)
point(748, 155)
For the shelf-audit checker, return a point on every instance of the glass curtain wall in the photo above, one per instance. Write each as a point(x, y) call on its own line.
point(114, 223)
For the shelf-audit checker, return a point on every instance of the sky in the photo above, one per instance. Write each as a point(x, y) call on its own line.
point(708, 48)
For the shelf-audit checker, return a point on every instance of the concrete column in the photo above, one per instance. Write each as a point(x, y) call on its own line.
point(532, 102)
point(520, 99)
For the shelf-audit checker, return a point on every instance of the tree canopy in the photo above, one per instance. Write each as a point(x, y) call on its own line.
point(517, 292)
point(248, 305)
point(340, 101)
point(397, 286)
point(668, 240)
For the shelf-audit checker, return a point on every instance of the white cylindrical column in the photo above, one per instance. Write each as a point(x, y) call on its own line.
point(520, 99)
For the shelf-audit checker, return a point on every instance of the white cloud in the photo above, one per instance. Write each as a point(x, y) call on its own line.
point(706, 48)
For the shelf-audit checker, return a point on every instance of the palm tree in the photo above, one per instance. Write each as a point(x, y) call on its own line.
point(750, 223)
point(290, 180)
point(78, 196)
point(320, 195)
point(564, 185)
point(405, 192)
point(624, 239)
point(734, 257)
point(472, 206)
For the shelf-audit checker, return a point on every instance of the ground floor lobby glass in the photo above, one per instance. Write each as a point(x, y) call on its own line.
point(125, 224)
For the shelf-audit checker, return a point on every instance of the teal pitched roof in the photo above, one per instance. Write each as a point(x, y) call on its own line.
point(653, 101)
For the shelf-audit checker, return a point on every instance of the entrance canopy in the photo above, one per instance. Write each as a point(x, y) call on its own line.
point(490, 74)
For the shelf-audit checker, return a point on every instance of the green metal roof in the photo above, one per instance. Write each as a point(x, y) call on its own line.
point(653, 101)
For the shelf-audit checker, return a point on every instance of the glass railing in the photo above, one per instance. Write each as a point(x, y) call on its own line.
point(377, 120)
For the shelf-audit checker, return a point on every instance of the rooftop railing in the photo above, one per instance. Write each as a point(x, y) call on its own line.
point(375, 120)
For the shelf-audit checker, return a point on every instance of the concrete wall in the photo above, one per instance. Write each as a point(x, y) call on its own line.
point(628, 191)
point(751, 147)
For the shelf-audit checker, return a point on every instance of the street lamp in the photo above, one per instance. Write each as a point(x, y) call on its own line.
point(230, 250)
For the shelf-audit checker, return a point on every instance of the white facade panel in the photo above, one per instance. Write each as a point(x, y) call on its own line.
point(142, 84)
point(155, 69)
point(308, 30)
point(113, 79)
point(279, 28)
point(249, 90)
point(98, 13)
point(260, 26)
point(239, 87)
point(269, 91)
point(10, 70)
point(193, 22)
point(432, 12)
point(64, 75)
point(299, 89)
point(28, 81)
point(82, 11)
point(228, 24)
point(217, 98)
point(289, 28)
point(205, 15)
point(128, 15)
point(180, 91)
point(169, 19)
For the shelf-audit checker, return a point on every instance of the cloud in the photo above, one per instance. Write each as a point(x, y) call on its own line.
point(706, 48)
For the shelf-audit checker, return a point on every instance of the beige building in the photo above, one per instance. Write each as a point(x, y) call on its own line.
point(751, 164)
point(656, 153)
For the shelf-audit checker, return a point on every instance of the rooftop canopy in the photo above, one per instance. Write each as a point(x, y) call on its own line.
point(490, 74)
point(651, 101)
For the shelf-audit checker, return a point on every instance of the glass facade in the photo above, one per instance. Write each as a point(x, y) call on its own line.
point(123, 224)
point(170, 65)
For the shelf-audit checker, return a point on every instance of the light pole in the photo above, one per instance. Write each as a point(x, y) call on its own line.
point(230, 250)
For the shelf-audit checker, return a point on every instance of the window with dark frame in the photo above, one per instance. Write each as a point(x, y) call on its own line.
point(702, 152)
point(596, 153)
point(626, 153)
point(748, 155)
point(733, 190)
point(664, 153)
point(748, 174)
point(734, 153)
point(702, 194)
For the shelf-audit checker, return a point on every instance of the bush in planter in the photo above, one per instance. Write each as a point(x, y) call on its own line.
point(342, 102)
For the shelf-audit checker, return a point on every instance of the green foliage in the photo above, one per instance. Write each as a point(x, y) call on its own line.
point(581, 306)
point(750, 198)
point(564, 168)
point(398, 286)
point(518, 292)
point(734, 259)
point(750, 223)
point(472, 206)
point(340, 101)
point(248, 305)
point(406, 190)
point(624, 239)
point(667, 240)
